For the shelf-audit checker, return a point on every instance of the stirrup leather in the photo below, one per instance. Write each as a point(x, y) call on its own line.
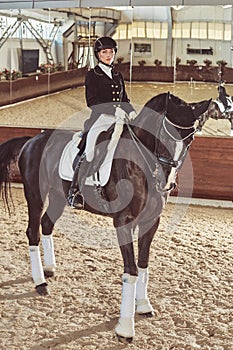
point(76, 200)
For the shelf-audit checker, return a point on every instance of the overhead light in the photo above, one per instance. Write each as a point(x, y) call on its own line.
point(226, 6)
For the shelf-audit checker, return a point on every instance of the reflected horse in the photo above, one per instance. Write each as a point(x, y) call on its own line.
point(144, 169)
point(214, 112)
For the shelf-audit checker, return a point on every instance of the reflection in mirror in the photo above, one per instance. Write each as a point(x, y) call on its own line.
point(182, 49)
point(172, 50)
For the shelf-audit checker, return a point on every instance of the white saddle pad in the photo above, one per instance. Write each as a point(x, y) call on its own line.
point(70, 151)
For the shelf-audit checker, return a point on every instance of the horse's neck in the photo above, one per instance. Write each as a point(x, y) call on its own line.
point(146, 128)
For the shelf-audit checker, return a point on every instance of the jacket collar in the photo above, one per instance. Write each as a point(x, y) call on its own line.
point(99, 71)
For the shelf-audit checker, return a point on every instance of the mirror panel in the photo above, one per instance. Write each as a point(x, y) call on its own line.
point(160, 48)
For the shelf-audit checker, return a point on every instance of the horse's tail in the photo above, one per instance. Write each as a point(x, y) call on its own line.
point(9, 152)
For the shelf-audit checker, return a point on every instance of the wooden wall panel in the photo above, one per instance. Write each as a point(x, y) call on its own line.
point(209, 174)
point(8, 132)
point(212, 163)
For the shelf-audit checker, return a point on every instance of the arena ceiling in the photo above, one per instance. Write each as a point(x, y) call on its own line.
point(16, 4)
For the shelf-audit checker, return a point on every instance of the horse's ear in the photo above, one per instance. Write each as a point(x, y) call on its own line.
point(171, 106)
point(201, 108)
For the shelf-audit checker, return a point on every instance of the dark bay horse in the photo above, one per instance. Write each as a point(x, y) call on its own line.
point(144, 169)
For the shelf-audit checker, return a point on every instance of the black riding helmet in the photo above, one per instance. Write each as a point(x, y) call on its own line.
point(104, 43)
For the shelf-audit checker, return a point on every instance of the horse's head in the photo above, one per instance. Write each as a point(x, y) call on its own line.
point(174, 133)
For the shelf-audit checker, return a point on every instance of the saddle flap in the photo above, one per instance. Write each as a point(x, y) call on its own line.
point(101, 164)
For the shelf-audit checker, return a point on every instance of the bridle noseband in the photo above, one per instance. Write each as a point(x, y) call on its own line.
point(171, 162)
point(165, 119)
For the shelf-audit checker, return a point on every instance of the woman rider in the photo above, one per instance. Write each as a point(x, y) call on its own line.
point(107, 98)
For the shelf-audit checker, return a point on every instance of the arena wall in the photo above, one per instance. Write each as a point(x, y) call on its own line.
point(211, 161)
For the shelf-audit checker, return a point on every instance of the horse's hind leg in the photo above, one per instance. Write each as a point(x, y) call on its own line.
point(52, 214)
point(35, 208)
point(143, 306)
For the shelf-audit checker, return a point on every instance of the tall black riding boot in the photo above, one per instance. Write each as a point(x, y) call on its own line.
point(75, 198)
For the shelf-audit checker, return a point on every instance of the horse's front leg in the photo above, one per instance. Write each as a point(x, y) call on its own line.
point(143, 305)
point(125, 327)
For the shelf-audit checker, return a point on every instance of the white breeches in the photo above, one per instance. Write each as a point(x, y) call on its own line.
point(103, 123)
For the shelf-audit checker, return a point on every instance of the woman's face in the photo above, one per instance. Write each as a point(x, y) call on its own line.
point(107, 56)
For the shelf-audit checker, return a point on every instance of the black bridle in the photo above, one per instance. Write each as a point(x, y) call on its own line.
point(155, 158)
point(171, 162)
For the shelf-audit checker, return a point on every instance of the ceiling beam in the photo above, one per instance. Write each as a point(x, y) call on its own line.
point(30, 4)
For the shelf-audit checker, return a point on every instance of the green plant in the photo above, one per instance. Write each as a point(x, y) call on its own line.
point(120, 60)
point(157, 62)
point(11, 74)
point(207, 62)
point(221, 63)
point(178, 60)
point(142, 63)
point(47, 68)
point(191, 62)
point(59, 67)
point(72, 65)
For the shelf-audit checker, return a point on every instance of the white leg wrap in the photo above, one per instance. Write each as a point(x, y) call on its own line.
point(125, 326)
point(49, 256)
point(142, 301)
point(36, 265)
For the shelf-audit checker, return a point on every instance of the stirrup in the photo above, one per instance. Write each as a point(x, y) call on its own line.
point(76, 200)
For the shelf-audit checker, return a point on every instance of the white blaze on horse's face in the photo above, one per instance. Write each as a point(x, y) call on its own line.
point(172, 176)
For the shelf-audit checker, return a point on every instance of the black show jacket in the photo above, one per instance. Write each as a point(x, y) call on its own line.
point(104, 94)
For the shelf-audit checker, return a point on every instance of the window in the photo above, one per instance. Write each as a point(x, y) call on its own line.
point(142, 30)
point(17, 30)
point(195, 34)
point(164, 30)
point(202, 30)
point(123, 31)
point(215, 31)
point(186, 30)
point(142, 49)
point(227, 32)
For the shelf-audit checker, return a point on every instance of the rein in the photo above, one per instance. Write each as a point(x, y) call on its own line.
point(137, 141)
point(157, 160)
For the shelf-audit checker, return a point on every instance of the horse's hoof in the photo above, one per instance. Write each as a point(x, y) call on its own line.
point(124, 340)
point(147, 314)
point(49, 273)
point(42, 289)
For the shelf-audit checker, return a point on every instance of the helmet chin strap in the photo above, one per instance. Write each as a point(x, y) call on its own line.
point(107, 65)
